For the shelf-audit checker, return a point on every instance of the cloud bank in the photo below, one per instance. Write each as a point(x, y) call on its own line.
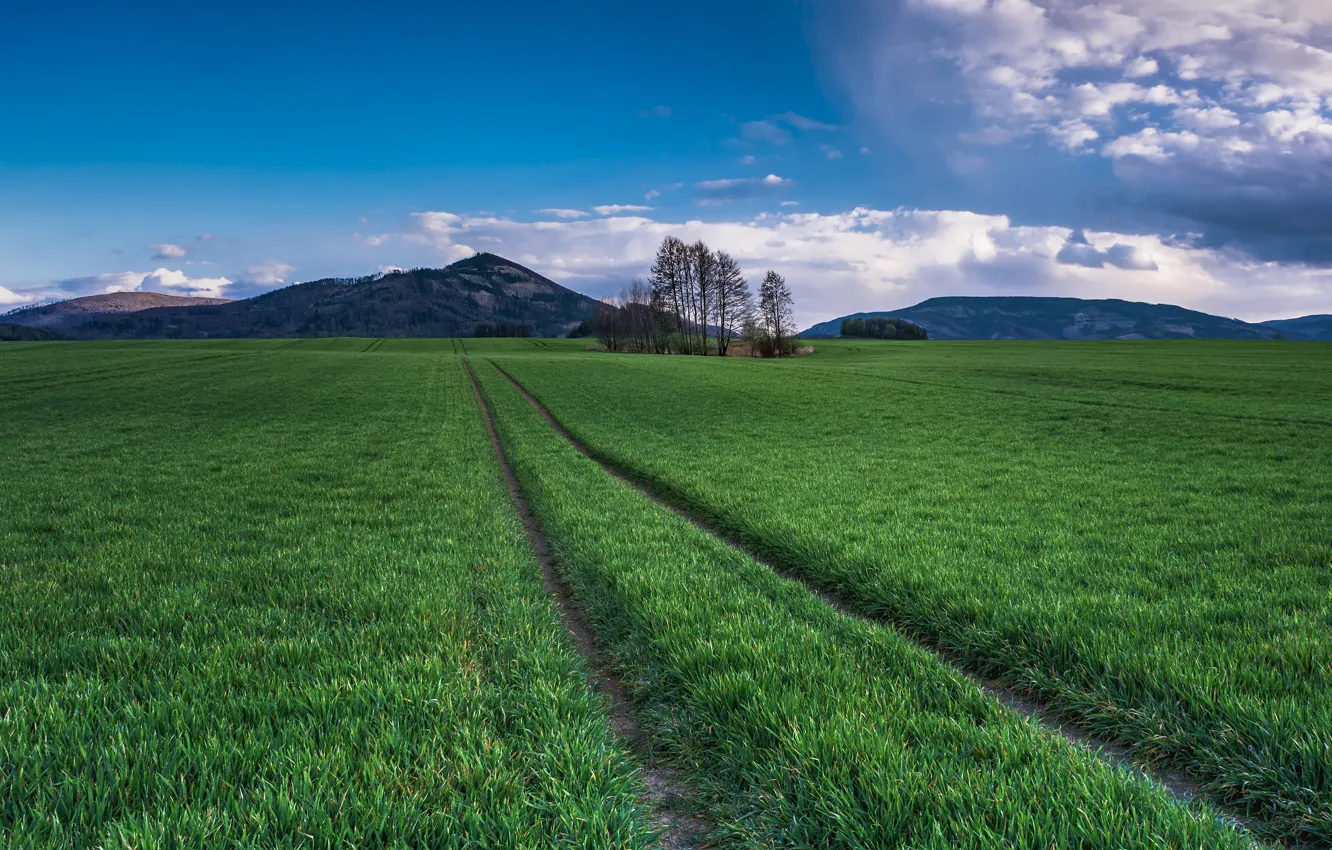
point(1213, 111)
point(867, 259)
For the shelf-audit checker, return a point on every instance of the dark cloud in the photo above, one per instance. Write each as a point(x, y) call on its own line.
point(1077, 251)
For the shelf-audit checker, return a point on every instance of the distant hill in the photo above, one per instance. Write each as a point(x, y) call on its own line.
point(76, 311)
point(1305, 327)
point(453, 301)
point(1025, 317)
point(23, 333)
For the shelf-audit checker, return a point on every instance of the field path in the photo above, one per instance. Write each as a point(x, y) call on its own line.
point(1119, 756)
point(678, 830)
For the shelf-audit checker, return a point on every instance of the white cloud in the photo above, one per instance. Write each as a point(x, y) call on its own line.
point(167, 251)
point(1213, 101)
point(748, 159)
point(9, 298)
point(559, 213)
point(265, 276)
point(655, 112)
point(175, 282)
point(616, 209)
point(866, 259)
point(1143, 66)
point(830, 151)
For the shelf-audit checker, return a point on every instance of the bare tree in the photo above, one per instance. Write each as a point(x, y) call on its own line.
point(704, 278)
point(732, 301)
point(776, 313)
point(670, 273)
point(636, 302)
point(608, 325)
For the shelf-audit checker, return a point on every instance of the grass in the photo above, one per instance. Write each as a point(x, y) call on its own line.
point(280, 600)
point(1139, 533)
point(803, 727)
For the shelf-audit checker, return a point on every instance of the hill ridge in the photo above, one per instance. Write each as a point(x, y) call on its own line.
point(484, 289)
point(1058, 317)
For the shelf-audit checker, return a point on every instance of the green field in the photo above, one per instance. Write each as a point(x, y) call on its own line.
point(273, 593)
point(262, 599)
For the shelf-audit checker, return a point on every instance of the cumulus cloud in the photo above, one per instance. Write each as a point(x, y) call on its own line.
point(867, 259)
point(655, 112)
point(1194, 102)
point(830, 151)
point(616, 209)
point(266, 276)
point(175, 282)
point(168, 281)
point(167, 251)
point(9, 298)
point(713, 192)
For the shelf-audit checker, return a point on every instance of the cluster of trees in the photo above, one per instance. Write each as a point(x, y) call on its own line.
point(697, 301)
point(880, 328)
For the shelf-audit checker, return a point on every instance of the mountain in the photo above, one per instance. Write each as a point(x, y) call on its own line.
point(75, 311)
point(1026, 317)
point(1305, 327)
point(453, 301)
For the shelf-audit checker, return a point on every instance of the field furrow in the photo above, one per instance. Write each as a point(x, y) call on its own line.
point(1163, 579)
point(803, 727)
point(289, 606)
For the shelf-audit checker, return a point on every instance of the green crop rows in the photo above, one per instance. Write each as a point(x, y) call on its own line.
point(1139, 533)
point(812, 729)
point(279, 600)
point(274, 593)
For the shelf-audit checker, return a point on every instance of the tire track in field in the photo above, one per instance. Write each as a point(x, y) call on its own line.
point(287, 345)
point(1180, 787)
point(454, 343)
point(463, 345)
point(677, 830)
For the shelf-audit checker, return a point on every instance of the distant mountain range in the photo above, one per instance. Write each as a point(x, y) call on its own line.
point(1025, 317)
point(489, 290)
point(453, 301)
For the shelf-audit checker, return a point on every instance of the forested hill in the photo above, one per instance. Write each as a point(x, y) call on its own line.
point(76, 311)
point(1025, 317)
point(452, 301)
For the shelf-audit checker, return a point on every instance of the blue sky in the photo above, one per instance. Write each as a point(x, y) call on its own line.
point(875, 152)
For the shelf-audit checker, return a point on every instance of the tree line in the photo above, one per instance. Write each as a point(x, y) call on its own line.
point(881, 328)
point(697, 301)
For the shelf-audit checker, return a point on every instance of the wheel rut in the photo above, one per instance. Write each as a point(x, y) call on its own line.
point(667, 793)
point(1177, 785)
